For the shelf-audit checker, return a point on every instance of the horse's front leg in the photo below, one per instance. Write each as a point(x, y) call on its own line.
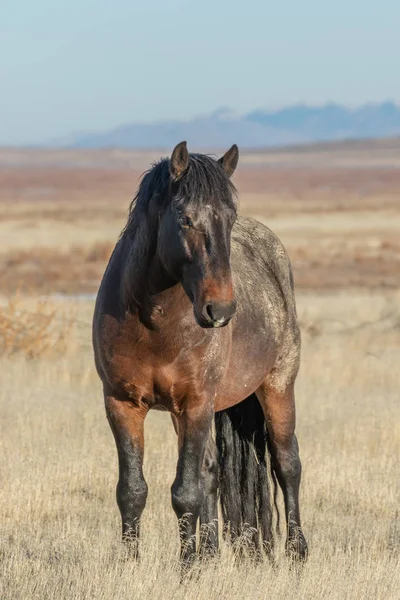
point(209, 509)
point(126, 419)
point(194, 426)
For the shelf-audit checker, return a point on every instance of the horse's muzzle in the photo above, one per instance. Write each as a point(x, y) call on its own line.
point(218, 314)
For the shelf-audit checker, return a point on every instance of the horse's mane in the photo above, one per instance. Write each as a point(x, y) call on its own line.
point(204, 181)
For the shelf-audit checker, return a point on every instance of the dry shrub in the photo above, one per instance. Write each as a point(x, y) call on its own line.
point(44, 331)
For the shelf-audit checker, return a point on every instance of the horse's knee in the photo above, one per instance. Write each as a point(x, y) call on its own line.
point(131, 497)
point(186, 499)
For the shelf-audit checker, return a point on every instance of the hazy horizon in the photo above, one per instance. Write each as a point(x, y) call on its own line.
point(92, 66)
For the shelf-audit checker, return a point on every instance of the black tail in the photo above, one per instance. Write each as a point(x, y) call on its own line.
point(244, 481)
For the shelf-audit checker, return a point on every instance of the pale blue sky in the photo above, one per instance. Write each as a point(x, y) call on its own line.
point(90, 65)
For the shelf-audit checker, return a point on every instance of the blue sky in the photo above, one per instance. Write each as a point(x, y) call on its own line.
point(89, 65)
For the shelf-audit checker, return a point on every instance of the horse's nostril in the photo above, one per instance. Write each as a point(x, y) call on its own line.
point(209, 312)
point(218, 314)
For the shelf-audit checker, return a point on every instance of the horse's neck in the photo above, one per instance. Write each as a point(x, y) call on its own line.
point(145, 279)
point(159, 294)
point(158, 279)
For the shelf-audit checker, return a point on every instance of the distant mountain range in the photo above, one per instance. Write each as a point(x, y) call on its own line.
point(297, 124)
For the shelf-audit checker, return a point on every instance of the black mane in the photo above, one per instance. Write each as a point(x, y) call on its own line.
point(204, 180)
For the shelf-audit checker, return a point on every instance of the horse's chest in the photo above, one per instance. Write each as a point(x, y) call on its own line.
point(158, 369)
point(163, 387)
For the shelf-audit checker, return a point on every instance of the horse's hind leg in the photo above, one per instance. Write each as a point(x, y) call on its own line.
point(126, 420)
point(209, 509)
point(279, 410)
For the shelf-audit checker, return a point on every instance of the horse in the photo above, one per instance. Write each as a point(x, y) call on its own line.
point(196, 315)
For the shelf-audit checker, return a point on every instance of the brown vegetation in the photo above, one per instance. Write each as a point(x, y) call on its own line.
point(41, 331)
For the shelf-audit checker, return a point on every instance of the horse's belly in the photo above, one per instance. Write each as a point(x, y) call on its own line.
point(234, 389)
point(248, 367)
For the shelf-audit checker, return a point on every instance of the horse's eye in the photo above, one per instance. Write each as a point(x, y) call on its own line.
point(185, 221)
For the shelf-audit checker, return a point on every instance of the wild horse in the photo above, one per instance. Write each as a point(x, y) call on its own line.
point(196, 315)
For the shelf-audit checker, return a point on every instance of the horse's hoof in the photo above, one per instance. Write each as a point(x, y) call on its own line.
point(209, 553)
point(189, 572)
point(296, 547)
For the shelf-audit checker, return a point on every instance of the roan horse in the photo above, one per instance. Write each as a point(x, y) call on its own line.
point(196, 315)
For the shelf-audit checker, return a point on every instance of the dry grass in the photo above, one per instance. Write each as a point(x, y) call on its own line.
point(42, 331)
point(59, 524)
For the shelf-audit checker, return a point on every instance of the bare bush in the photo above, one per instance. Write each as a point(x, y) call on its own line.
point(44, 330)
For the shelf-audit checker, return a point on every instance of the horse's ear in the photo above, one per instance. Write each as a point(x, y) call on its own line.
point(179, 161)
point(230, 160)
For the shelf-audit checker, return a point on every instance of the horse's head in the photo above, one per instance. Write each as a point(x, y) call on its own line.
point(194, 235)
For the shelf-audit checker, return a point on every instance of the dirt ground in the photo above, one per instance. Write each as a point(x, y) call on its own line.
point(337, 209)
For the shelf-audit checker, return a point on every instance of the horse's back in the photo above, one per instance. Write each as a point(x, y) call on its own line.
point(260, 262)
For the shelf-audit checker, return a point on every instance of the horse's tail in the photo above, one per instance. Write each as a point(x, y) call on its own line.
point(244, 480)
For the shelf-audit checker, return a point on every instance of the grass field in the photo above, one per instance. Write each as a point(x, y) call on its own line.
point(337, 212)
